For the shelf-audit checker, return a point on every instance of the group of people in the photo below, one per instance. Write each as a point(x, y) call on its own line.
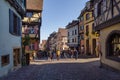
point(63, 54)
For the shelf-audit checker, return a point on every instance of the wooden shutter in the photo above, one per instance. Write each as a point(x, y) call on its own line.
point(11, 19)
point(96, 10)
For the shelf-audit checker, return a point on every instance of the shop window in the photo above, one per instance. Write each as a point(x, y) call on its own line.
point(113, 47)
point(5, 60)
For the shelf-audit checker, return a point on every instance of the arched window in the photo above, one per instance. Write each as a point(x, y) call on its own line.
point(113, 45)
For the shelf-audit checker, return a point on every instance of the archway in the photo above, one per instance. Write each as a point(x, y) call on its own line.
point(113, 45)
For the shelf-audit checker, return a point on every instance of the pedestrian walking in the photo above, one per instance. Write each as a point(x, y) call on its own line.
point(100, 53)
point(48, 55)
point(76, 54)
point(65, 54)
point(34, 55)
point(82, 49)
point(72, 53)
point(58, 54)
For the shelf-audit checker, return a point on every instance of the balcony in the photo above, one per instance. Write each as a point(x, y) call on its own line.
point(31, 20)
point(31, 35)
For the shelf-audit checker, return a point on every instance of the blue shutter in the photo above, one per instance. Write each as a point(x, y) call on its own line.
point(11, 21)
point(18, 26)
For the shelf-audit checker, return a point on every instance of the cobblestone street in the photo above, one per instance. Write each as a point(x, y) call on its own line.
point(69, 69)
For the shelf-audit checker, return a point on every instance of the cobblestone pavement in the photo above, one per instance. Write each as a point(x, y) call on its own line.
point(65, 69)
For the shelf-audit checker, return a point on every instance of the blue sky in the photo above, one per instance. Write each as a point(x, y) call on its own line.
point(58, 13)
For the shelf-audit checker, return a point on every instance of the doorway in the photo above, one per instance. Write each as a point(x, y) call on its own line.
point(94, 47)
point(16, 57)
point(87, 47)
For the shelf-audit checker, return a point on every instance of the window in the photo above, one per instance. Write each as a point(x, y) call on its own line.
point(100, 8)
point(29, 14)
point(82, 37)
point(87, 16)
point(32, 30)
point(14, 24)
point(32, 47)
point(5, 60)
point(75, 32)
point(72, 32)
point(82, 27)
point(87, 30)
point(113, 46)
point(81, 18)
point(93, 28)
point(75, 40)
point(72, 40)
point(68, 34)
point(68, 41)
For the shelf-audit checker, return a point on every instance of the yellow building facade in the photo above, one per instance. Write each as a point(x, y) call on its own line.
point(107, 23)
point(90, 39)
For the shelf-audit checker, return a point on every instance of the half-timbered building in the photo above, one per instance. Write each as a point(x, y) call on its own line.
point(31, 26)
point(90, 38)
point(107, 23)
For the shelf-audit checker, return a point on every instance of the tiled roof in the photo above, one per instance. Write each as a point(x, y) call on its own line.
point(72, 24)
point(63, 31)
point(34, 5)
